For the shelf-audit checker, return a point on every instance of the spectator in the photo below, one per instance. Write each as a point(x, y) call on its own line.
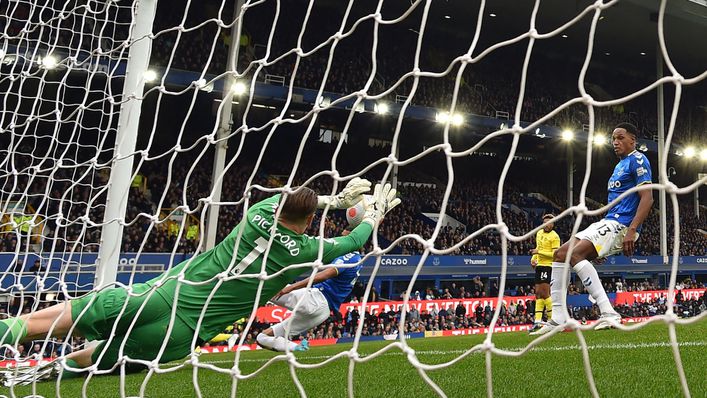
point(460, 312)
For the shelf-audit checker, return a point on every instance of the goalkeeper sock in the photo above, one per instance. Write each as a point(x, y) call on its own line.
point(590, 279)
point(12, 330)
point(556, 293)
point(276, 343)
point(539, 304)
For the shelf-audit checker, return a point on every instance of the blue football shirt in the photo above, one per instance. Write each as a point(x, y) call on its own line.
point(631, 171)
point(338, 288)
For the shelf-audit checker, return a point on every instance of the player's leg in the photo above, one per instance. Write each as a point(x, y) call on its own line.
point(151, 315)
point(146, 338)
point(598, 240)
point(88, 313)
point(583, 249)
point(96, 314)
point(312, 311)
point(267, 338)
point(542, 298)
point(59, 318)
point(542, 292)
point(47, 371)
point(36, 325)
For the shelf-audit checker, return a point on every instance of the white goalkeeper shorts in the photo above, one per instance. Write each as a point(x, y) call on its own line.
point(607, 236)
point(312, 311)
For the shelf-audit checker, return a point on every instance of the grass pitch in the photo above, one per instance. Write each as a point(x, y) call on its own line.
point(624, 364)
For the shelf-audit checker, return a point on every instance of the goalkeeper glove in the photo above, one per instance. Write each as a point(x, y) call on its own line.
point(349, 196)
point(383, 201)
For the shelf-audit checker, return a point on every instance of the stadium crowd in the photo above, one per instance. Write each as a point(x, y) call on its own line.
point(179, 45)
point(471, 203)
point(481, 91)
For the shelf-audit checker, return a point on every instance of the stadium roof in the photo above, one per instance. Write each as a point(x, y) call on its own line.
point(627, 30)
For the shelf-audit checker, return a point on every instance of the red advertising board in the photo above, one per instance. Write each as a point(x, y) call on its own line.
point(272, 314)
point(277, 314)
point(427, 305)
point(649, 295)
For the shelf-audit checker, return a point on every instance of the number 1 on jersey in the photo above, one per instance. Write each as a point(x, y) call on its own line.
point(261, 244)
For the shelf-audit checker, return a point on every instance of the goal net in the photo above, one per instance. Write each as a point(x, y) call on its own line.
point(135, 135)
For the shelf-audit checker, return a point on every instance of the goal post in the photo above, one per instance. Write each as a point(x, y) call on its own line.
point(225, 120)
point(124, 156)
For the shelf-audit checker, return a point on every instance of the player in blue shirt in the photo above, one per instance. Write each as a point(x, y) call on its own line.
point(616, 233)
point(338, 282)
point(329, 290)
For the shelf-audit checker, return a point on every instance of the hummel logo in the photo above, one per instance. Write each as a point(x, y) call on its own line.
point(639, 161)
point(587, 282)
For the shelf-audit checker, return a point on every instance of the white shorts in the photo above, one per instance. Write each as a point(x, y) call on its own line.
point(607, 236)
point(312, 311)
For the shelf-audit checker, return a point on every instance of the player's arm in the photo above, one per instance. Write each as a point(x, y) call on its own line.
point(318, 278)
point(341, 245)
point(643, 175)
point(644, 208)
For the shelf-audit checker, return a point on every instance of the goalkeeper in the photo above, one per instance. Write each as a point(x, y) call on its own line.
point(94, 316)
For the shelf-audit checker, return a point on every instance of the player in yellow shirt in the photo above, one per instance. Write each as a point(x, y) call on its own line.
point(546, 242)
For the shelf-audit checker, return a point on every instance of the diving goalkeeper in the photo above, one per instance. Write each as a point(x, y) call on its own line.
point(94, 316)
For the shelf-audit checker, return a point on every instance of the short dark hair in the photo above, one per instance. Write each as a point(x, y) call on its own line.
point(299, 205)
point(548, 215)
point(630, 128)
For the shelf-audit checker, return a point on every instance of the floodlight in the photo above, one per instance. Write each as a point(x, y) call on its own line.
point(49, 62)
point(382, 108)
point(442, 117)
point(239, 88)
point(149, 75)
point(690, 152)
point(703, 155)
point(599, 139)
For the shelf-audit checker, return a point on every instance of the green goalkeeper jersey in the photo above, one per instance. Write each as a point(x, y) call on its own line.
point(235, 298)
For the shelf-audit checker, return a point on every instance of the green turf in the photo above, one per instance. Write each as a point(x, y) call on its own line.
point(624, 365)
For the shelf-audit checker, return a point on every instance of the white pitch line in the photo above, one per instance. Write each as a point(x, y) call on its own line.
point(574, 347)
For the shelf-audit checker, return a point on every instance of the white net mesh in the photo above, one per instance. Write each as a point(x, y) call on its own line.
point(63, 70)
